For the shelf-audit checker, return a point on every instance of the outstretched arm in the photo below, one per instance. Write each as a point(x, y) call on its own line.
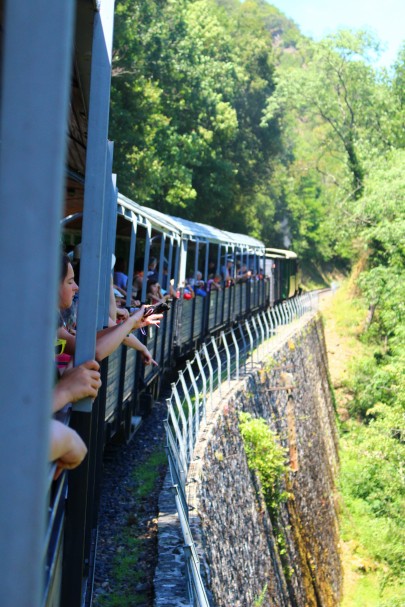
point(133, 342)
point(110, 338)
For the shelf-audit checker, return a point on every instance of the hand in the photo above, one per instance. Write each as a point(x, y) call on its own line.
point(122, 313)
point(77, 383)
point(147, 358)
point(139, 321)
point(67, 449)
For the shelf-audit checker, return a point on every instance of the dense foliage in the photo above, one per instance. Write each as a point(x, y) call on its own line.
point(190, 83)
point(222, 112)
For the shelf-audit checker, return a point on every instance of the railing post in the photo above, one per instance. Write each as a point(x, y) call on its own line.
point(288, 312)
point(228, 356)
point(197, 399)
point(207, 356)
point(271, 321)
point(258, 342)
point(278, 314)
point(235, 341)
point(191, 440)
point(186, 439)
point(244, 346)
point(259, 320)
point(197, 588)
point(268, 330)
point(283, 313)
point(251, 341)
point(299, 304)
point(294, 302)
point(180, 452)
point(204, 381)
point(214, 345)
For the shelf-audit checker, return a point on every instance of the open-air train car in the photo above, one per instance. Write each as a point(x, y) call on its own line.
point(56, 161)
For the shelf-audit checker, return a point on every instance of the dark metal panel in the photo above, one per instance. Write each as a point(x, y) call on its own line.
point(35, 86)
point(146, 262)
point(131, 262)
point(78, 517)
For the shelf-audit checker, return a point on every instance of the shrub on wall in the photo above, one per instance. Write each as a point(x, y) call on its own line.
point(265, 456)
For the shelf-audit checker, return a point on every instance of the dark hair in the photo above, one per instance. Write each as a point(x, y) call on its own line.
point(64, 262)
point(151, 281)
point(120, 265)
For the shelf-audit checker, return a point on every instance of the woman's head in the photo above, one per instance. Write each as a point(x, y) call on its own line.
point(67, 286)
point(152, 286)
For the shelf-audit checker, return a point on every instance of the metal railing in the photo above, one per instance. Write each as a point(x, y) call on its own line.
point(219, 360)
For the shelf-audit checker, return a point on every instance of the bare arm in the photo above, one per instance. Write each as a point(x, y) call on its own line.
point(133, 342)
point(113, 304)
point(67, 449)
point(110, 338)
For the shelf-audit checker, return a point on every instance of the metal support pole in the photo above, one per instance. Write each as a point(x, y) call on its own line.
point(179, 474)
point(108, 238)
point(244, 346)
point(276, 320)
point(259, 321)
point(131, 262)
point(197, 399)
point(77, 519)
point(287, 312)
point(191, 440)
point(198, 594)
point(251, 341)
point(182, 451)
point(214, 345)
point(299, 304)
point(277, 313)
point(268, 333)
point(34, 111)
point(282, 313)
point(204, 382)
point(271, 323)
point(146, 261)
point(184, 426)
point(161, 257)
point(235, 341)
point(228, 356)
point(256, 330)
point(207, 357)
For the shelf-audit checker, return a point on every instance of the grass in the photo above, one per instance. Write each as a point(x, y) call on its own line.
point(132, 543)
point(371, 544)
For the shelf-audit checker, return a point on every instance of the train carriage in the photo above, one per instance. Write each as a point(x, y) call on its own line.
point(58, 131)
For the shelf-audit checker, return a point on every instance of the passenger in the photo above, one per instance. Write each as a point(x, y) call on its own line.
point(214, 283)
point(154, 293)
point(226, 272)
point(108, 339)
point(188, 291)
point(138, 280)
point(167, 287)
point(198, 285)
point(120, 278)
point(152, 271)
point(243, 274)
point(119, 315)
point(66, 448)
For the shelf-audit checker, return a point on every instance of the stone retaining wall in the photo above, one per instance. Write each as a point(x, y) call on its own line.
point(292, 559)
